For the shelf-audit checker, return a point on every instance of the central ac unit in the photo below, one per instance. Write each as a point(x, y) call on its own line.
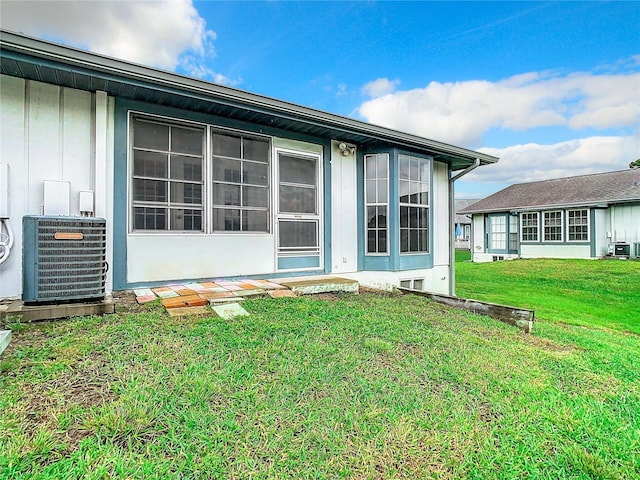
point(63, 258)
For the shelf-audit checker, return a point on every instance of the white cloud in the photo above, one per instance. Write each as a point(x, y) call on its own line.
point(161, 33)
point(462, 112)
point(380, 87)
point(532, 162)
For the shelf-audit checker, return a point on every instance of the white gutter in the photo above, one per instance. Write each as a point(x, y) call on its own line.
point(452, 218)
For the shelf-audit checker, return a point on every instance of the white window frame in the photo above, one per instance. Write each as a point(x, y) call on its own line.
point(545, 226)
point(523, 227)
point(588, 224)
point(376, 204)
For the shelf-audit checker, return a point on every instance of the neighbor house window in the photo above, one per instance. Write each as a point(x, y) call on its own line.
point(413, 184)
point(578, 225)
point(553, 226)
point(376, 191)
point(498, 232)
point(167, 176)
point(529, 227)
point(240, 172)
point(513, 232)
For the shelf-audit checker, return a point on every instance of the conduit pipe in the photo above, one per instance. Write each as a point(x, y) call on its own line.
point(452, 219)
point(5, 245)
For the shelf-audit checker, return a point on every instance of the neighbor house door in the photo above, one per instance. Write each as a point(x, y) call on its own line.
point(298, 215)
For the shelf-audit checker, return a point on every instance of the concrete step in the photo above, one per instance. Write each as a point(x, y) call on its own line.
point(318, 284)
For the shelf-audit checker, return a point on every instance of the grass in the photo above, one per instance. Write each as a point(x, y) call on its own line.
point(594, 293)
point(354, 386)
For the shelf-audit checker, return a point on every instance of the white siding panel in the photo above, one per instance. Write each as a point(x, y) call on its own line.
point(625, 223)
point(77, 149)
point(157, 258)
point(46, 134)
point(12, 152)
point(44, 143)
point(344, 222)
point(440, 211)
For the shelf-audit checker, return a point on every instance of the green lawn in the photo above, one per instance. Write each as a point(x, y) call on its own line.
point(356, 386)
point(597, 293)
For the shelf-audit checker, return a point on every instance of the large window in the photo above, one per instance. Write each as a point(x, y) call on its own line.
point(513, 233)
point(170, 162)
point(498, 232)
point(553, 226)
point(240, 172)
point(529, 227)
point(413, 184)
point(578, 225)
point(376, 171)
point(167, 176)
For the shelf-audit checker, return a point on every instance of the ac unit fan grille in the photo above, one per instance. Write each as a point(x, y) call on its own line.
point(71, 267)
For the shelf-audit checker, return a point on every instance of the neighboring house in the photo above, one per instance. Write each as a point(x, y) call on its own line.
point(462, 224)
point(587, 216)
point(201, 181)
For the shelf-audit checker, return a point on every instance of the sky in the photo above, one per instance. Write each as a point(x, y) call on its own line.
point(552, 88)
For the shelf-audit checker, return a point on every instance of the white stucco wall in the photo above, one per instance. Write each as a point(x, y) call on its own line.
point(52, 133)
point(435, 279)
point(161, 257)
point(547, 250)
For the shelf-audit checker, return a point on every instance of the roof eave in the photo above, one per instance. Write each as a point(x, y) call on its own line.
point(127, 70)
point(526, 208)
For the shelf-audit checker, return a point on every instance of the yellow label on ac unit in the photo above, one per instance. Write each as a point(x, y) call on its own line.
point(68, 236)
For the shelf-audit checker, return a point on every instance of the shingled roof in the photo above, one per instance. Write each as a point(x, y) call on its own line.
point(584, 190)
point(461, 203)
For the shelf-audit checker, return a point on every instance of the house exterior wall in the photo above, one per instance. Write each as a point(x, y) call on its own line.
point(624, 223)
point(388, 270)
point(555, 251)
point(607, 225)
point(147, 257)
point(64, 134)
point(52, 133)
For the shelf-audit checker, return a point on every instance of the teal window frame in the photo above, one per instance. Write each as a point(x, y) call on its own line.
point(379, 182)
point(416, 201)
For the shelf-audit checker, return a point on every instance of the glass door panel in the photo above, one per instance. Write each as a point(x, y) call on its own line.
point(299, 207)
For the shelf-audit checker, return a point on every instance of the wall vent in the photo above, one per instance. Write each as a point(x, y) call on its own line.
point(63, 258)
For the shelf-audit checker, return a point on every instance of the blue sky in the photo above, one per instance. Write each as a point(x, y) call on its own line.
point(553, 88)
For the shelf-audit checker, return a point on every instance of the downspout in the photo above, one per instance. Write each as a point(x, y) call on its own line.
point(452, 219)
